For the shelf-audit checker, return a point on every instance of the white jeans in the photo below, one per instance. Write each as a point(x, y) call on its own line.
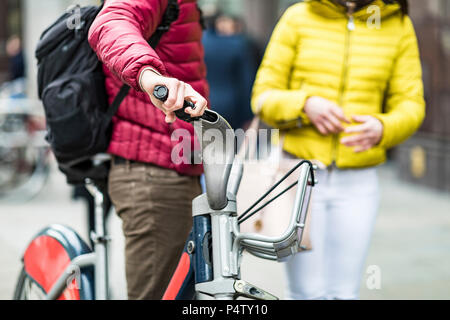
point(344, 207)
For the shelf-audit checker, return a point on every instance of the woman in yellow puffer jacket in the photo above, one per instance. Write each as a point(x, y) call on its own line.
point(343, 80)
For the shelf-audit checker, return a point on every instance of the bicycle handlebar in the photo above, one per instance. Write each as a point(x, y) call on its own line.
point(162, 93)
point(225, 177)
point(217, 173)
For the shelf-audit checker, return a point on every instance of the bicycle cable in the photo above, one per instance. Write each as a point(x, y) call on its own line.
point(247, 214)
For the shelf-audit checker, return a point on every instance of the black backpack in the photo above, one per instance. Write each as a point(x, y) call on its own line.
point(71, 87)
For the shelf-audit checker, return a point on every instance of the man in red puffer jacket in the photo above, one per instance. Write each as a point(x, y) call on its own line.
point(152, 194)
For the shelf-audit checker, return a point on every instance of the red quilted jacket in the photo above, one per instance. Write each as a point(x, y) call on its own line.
point(119, 37)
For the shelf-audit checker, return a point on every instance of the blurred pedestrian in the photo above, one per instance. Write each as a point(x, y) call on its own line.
point(231, 69)
point(15, 86)
point(350, 73)
point(151, 194)
point(16, 58)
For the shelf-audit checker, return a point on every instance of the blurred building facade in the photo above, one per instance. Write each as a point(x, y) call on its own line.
point(10, 24)
point(425, 158)
point(28, 19)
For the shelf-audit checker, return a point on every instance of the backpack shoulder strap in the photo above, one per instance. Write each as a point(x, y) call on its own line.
point(170, 15)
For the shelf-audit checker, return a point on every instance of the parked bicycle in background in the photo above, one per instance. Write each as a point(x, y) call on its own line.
point(24, 154)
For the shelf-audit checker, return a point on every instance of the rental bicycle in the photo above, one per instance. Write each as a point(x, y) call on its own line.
point(58, 264)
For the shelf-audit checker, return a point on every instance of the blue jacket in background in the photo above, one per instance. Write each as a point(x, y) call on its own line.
point(231, 65)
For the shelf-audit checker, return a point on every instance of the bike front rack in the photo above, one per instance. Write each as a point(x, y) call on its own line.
point(219, 203)
point(288, 244)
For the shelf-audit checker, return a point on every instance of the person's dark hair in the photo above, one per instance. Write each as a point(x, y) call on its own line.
point(361, 3)
point(403, 4)
point(210, 21)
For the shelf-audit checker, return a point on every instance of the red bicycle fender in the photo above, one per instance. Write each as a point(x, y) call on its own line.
point(45, 260)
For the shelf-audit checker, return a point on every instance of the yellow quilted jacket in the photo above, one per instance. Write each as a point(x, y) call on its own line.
point(368, 66)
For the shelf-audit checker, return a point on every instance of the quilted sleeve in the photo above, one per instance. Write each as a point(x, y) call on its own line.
point(272, 99)
point(405, 105)
point(119, 36)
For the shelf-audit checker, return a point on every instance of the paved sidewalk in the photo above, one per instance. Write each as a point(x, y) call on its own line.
point(410, 245)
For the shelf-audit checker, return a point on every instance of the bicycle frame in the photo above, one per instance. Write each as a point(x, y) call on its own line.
point(215, 214)
point(97, 259)
point(220, 279)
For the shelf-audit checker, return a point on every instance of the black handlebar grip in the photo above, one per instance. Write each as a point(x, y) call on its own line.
point(162, 93)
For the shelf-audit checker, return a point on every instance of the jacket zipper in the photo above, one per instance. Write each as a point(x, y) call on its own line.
point(343, 84)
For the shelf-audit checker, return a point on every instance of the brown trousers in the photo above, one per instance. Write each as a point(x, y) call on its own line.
point(155, 205)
